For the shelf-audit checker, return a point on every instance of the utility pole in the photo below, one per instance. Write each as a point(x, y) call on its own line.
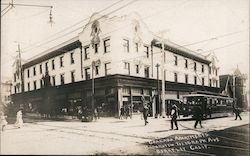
point(163, 80)
point(234, 89)
point(94, 63)
point(158, 92)
point(20, 67)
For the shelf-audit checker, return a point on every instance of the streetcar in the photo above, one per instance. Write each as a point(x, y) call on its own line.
point(209, 103)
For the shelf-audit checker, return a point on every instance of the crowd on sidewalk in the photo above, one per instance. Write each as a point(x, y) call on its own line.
point(126, 112)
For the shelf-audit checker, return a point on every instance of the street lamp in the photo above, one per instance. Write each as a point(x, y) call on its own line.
point(94, 63)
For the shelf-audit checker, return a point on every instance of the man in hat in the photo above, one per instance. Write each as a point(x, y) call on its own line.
point(174, 114)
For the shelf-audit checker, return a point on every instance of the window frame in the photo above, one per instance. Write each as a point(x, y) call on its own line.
point(106, 45)
point(72, 60)
point(86, 52)
point(87, 73)
point(53, 64)
point(61, 61)
point(107, 68)
point(175, 60)
point(126, 45)
point(72, 75)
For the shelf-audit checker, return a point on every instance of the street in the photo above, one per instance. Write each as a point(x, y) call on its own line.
point(113, 136)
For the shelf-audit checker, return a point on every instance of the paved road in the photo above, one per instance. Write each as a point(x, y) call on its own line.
point(113, 136)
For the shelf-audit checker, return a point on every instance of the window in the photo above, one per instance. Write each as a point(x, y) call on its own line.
point(97, 70)
point(41, 69)
point(72, 76)
point(87, 73)
point(195, 80)
point(14, 77)
point(53, 64)
point(210, 82)
point(209, 70)
point(146, 51)
point(202, 68)
point(61, 61)
point(34, 71)
point(127, 66)
point(126, 45)
point(107, 68)
point(53, 80)
point(186, 63)
point(137, 69)
point(28, 86)
point(203, 81)
point(106, 45)
point(72, 61)
point(86, 52)
point(96, 47)
point(41, 83)
point(28, 73)
point(46, 66)
point(34, 85)
point(175, 60)
point(186, 78)
point(195, 66)
point(146, 72)
point(216, 83)
point(216, 72)
point(136, 47)
point(62, 79)
point(175, 77)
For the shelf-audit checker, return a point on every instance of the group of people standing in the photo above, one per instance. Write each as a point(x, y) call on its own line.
point(125, 112)
point(18, 123)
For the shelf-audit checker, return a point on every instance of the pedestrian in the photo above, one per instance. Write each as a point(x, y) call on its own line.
point(79, 113)
point(98, 112)
point(19, 119)
point(197, 115)
point(95, 114)
point(130, 111)
point(209, 111)
point(174, 115)
point(126, 112)
point(145, 114)
point(237, 113)
point(3, 121)
point(121, 112)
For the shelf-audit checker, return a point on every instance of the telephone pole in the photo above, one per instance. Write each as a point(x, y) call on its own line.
point(158, 93)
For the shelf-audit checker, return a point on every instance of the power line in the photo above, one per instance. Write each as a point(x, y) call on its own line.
point(111, 31)
point(92, 21)
point(69, 27)
point(228, 45)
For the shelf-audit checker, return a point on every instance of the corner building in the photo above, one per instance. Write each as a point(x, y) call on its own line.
point(122, 55)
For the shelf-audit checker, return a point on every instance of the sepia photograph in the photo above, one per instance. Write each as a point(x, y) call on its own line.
point(125, 77)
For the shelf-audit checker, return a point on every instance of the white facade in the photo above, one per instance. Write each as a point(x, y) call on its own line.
point(124, 46)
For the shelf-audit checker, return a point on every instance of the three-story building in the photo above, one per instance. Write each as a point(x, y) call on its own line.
point(124, 59)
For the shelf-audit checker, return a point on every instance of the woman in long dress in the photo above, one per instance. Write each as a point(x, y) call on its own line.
point(3, 121)
point(19, 119)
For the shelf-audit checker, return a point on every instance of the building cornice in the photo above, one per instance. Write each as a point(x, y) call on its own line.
point(180, 52)
point(54, 53)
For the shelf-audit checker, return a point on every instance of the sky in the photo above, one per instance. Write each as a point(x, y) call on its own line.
point(223, 23)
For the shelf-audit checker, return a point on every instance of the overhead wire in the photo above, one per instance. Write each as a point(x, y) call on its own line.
point(69, 27)
point(116, 29)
